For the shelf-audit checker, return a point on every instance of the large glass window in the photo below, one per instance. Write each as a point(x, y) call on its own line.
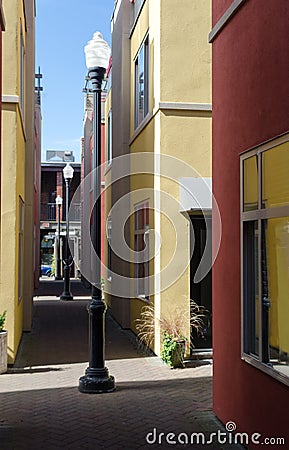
point(141, 83)
point(265, 235)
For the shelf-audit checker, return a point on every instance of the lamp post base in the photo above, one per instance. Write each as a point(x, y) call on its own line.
point(66, 296)
point(58, 277)
point(96, 381)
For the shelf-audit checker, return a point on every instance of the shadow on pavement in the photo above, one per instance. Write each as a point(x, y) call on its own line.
point(60, 331)
point(64, 418)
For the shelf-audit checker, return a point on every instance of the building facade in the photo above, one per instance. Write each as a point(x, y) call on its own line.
point(250, 183)
point(87, 193)
point(159, 160)
point(37, 177)
point(17, 169)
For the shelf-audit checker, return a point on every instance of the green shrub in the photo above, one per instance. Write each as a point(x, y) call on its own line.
point(2, 320)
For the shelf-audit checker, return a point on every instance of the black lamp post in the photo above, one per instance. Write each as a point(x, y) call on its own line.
point(96, 379)
point(58, 261)
point(68, 175)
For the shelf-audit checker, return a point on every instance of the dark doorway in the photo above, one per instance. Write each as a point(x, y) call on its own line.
point(201, 292)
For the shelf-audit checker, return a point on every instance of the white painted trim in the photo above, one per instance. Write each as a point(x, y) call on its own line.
point(10, 99)
point(226, 17)
point(157, 224)
point(250, 359)
point(186, 106)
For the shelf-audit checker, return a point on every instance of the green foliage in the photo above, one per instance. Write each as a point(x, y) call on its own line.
point(2, 320)
point(173, 351)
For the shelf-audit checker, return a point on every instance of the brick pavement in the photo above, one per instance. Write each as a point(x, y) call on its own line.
point(41, 407)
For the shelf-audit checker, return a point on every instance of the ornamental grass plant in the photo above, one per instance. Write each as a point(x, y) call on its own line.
point(172, 329)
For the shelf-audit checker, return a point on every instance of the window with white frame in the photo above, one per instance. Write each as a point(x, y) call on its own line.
point(109, 137)
point(265, 255)
point(141, 250)
point(141, 83)
point(20, 249)
point(22, 69)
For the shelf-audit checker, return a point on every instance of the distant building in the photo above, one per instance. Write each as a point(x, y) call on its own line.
point(37, 176)
point(52, 185)
point(87, 167)
point(60, 155)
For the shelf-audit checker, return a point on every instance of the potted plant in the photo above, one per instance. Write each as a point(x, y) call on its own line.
point(3, 344)
point(174, 343)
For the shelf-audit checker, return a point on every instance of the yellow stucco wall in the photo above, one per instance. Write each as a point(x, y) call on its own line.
point(13, 169)
point(185, 66)
point(180, 72)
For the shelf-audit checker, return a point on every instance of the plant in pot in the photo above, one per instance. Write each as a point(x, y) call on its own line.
point(3, 344)
point(174, 342)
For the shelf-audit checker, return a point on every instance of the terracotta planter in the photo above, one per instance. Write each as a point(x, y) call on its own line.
point(3, 351)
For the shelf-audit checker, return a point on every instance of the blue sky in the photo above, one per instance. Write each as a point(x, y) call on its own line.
point(63, 27)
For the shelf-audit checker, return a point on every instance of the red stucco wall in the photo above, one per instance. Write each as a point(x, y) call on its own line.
point(250, 106)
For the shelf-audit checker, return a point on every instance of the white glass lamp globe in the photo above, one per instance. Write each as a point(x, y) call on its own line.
point(58, 200)
point(97, 52)
point(68, 171)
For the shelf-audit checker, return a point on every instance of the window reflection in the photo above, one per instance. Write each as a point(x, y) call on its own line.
point(277, 245)
point(250, 171)
point(275, 180)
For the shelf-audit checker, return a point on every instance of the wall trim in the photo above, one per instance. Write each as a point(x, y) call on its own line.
point(226, 17)
point(141, 126)
point(186, 106)
point(166, 106)
point(10, 99)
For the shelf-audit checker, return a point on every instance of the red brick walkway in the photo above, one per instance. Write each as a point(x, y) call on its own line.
point(41, 407)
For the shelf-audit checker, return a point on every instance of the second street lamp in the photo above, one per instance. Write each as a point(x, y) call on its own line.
point(58, 261)
point(96, 379)
point(68, 175)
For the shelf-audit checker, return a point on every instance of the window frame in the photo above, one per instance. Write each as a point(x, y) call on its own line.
point(109, 249)
point(260, 215)
point(137, 118)
point(109, 137)
point(143, 205)
point(21, 219)
point(22, 71)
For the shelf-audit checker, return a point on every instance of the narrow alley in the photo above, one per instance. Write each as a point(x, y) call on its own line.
point(41, 407)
